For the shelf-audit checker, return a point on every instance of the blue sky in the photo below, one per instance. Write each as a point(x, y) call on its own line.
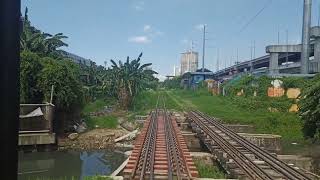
point(113, 29)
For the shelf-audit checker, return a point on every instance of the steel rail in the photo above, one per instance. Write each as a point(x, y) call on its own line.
point(150, 148)
point(168, 145)
point(173, 147)
point(251, 169)
point(146, 145)
point(273, 162)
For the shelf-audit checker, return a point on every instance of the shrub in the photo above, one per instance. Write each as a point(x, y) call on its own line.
point(30, 69)
point(310, 109)
point(63, 75)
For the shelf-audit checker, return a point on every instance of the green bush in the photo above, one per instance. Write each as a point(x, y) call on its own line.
point(310, 109)
point(63, 75)
point(30, 72)
point(102, 122)
point(207, 171)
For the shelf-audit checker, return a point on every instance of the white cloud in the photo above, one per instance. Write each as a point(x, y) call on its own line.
point(146, 28)
point(139, 6)
point(139, 39)
point(184, 41)
point(158, 33)
point(199, 27)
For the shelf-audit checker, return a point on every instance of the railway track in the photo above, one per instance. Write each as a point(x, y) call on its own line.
point(160, 151)
point(253, 162)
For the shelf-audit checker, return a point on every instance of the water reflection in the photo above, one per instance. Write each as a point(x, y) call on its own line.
point(67, 164)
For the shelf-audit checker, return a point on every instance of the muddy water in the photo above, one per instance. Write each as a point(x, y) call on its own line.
point(50, 165)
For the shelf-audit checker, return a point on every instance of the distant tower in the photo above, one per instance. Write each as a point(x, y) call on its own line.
point(189, 62)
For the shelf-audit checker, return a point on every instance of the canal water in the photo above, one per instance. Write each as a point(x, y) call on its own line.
point(67, 164)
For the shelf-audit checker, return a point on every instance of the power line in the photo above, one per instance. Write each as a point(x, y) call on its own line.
point(255, 16)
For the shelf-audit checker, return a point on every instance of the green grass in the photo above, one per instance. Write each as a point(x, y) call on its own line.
point(109, 121)
point(206, 171)
point(288, 125)
point(95, 106)
point(144, 102)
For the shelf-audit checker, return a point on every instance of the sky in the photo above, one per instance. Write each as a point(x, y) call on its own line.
point(101, 30)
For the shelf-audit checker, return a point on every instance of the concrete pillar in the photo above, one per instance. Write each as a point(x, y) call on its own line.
point(273, 66)
point(306, 37)
point(317, 53)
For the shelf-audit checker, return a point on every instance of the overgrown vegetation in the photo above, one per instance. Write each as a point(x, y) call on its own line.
point(173, 83)
point(43, 66)
point(250, 84)
point(253, 106)
point(108, 121)
point(207, 171)
point(310, 109)
point(286, 124)
point(97, 105)
point(126, 80)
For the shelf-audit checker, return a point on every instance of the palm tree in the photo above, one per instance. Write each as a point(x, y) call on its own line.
point(129, 78)
point(36, 41)
point(52, 43)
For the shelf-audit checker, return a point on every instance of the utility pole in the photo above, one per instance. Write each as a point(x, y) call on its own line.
point(254, 49)
point(251, 52)
point(278, 36)
point(306, 36)
point(218, 59)
point(237, 55)
point(203, 46)
point(319, 15)
point(287, 45)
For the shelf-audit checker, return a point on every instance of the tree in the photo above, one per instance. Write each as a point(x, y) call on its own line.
point(173, 83)
point(63, 75)
point(310, 109)
point(127, 79)
point(38, 42)
point(30, 72)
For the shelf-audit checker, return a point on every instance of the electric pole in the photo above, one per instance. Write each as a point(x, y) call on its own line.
point(203, 46)
point(278, 36)
point(217, 59)
point(254, 49)
point(287, 44)
point(237, 55)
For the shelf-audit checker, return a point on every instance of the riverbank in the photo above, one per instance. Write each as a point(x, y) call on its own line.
point(91, 140)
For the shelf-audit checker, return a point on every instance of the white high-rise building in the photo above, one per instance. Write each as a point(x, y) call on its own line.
point(176, 70)
point(189, 62)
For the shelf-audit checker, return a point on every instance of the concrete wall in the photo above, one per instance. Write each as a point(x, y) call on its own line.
point(36, 138)
point(266, 141)
point(37, 123)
